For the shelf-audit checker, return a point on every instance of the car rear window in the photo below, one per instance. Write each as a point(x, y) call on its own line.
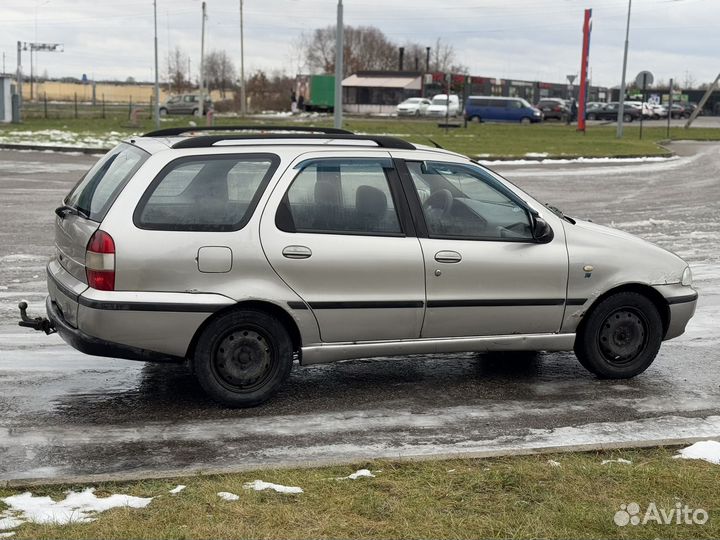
point(205, 193)
point(97, 190)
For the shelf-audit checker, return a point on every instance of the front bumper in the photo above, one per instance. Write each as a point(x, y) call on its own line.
point(682, 302)
point(98, 347)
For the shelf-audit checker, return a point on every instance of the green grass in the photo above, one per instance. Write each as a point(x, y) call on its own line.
point(485, 140)
point(518, 497)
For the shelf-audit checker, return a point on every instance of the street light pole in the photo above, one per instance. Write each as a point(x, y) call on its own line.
point(202, 63)
point(156, 112)
point(243, 101)
point(339, 46)
point(621, 107)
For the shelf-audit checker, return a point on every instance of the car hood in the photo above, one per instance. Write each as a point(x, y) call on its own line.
point(632, 257)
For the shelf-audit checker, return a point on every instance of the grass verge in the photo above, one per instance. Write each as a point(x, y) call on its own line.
point(484, 140)
point(519, 497)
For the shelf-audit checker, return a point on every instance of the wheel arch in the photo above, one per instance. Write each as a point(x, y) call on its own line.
point(251, 305)
point(643, 289)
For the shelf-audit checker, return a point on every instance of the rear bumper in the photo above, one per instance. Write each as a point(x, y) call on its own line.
point(99, 347)
point(136, 325)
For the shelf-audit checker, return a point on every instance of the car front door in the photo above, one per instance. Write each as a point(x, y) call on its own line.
point(338, 231)
point(485, 274)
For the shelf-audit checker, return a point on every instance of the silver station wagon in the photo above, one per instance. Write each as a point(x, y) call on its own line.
point(241, 252)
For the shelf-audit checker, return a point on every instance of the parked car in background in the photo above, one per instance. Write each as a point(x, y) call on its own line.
point(414, 106)
point(440, 106)
point(501, 109)
point(643, 107)
point(680, 110)
point(609, 111)
point(185, 104)
point(659, 111)
point(553, 108)
point(591, 109)
point(242, 254)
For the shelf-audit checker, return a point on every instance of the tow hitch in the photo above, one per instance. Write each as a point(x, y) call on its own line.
point(38, 323)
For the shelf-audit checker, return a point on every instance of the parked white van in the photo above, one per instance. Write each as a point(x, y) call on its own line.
point(439, 106)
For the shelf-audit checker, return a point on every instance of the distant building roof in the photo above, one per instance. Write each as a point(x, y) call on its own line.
point(404, 81)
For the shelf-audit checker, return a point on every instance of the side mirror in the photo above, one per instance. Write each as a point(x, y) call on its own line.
point(542, 232)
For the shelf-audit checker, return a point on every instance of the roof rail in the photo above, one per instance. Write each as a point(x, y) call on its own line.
point(172, 132)
point(382, 141)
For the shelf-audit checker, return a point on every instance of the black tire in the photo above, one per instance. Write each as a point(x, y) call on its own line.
point(620, 337)
point(525, 120)
point(475, 119)
point(628, 118)
point(591, 116)
point(242, 358)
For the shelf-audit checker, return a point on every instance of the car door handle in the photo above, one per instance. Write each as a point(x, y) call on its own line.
point(448, 257)
point(296, 252)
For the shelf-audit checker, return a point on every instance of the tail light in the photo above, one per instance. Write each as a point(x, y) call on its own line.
point(100, 262)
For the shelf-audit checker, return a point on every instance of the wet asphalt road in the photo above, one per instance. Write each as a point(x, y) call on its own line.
point(63, 414)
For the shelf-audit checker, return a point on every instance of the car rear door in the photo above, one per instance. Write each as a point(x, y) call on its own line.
point(337, 230)
point(485, 275)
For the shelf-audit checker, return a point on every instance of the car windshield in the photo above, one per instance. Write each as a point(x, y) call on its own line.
point(525, 103)
point(412, 101)
point(439, 101)
point(95, 193)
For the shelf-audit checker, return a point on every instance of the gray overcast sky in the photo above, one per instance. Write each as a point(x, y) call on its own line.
point(529, 39)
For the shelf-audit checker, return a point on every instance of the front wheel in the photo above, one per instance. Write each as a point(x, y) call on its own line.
point(627, 118)
point(525, 120)
point(591, 116)
point(242, 358)
point(620, 337)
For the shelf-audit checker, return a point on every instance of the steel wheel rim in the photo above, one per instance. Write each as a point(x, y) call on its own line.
point(244, 359)
point(623, 336)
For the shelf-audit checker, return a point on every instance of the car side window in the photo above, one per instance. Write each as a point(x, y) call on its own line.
point(338, 196)
point(464, 201)
point(205, 193)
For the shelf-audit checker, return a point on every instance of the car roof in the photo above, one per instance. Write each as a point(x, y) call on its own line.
point(224, 137)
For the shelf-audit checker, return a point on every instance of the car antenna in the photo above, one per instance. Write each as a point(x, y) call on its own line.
point(436, 145)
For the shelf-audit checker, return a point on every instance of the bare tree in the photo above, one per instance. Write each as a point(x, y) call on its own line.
point(219, 71)
point(269, 92)
point(366, 49)
point(689, 81)
point(444, 59)
point(177, 78)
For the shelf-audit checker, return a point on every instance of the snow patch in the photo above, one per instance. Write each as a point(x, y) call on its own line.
point(227, 496)
point(7, 534)
point(705, 450)
point(553, 463)
point(362, 473)
point(77, 507)
point(619, 460)
point(178, 489)
point(259, 485)
point(537, 154)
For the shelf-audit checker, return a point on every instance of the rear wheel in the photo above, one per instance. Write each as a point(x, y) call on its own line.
point(627, 118)
point(591, 116)
point(242, 358)
point(620, 337)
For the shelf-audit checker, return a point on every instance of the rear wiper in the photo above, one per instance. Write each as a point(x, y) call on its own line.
point(63, 211)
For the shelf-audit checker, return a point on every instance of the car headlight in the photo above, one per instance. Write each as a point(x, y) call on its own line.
point(686, 277)
point(537, 113)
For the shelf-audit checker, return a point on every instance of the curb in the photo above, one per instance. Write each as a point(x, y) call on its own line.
point(490, 159)
point(43, 148)
point(563, 157)
point(151, 474)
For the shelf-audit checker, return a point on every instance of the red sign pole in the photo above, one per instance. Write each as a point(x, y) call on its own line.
point(587, 27)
